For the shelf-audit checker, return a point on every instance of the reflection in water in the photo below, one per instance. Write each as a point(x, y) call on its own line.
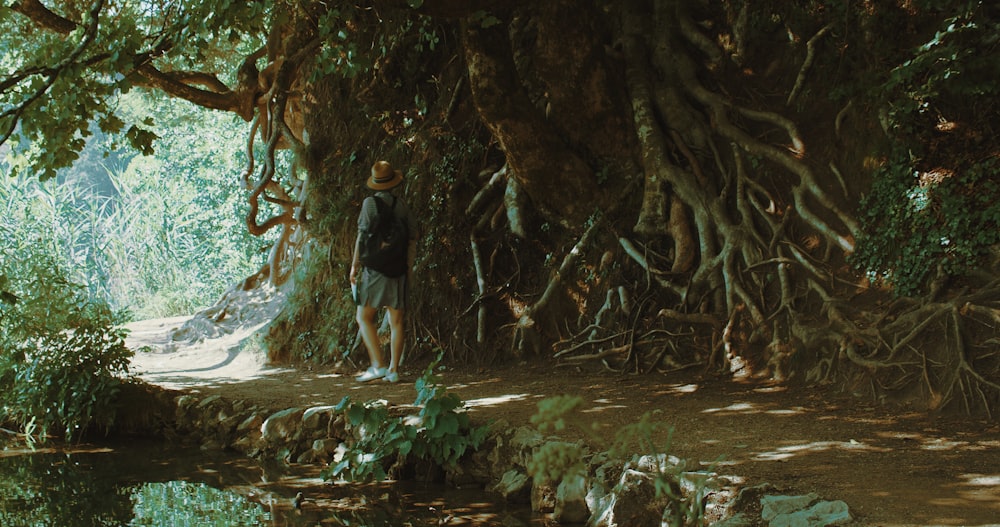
point(150, 485)
point(185, 503)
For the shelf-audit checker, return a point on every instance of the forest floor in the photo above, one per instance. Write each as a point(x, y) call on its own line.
point(892, 466)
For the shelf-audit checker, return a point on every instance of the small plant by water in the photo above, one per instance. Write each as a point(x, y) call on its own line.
point(557, 461)
point(440, 432)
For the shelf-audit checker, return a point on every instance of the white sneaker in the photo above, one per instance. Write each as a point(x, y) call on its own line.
point(371, 374)
point(391, 376)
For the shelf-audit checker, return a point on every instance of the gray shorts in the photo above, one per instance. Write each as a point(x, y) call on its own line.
point(377, 290)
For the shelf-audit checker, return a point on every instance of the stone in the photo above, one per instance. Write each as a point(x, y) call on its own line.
point(635, 502)
point(600, 503)
point(184, 402)
point(571, 500)
point(313, 418)
point(655, 464)
point(252, 422)
point(322, 451)
point(773, 506)
point(523, 443)
point(514, 486)
point(208, 401)
point(211, 446)
point(282, 427)
point(749, 498)
point(326, 447)
point(820, 514)
point(739, 520)
point(543, 498)
point(246, 445)
point(307, 457)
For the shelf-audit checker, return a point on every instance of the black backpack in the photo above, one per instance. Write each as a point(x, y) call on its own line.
point(383, 247)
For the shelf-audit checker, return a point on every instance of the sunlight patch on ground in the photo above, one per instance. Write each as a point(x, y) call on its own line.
point(787, 411)
point(788, 452)
point(230, 357)
point(464, 385)
point(905, 436)
point(678, 389)
point(980, 480)
point(733, 408)
point(602, 405)
point(749, 408)
point(980, 490)
point(873, 421)
point(486, 402)
point(329, 376)
point(938, 444)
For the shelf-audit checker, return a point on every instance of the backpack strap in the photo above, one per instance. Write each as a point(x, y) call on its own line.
point(392, 206)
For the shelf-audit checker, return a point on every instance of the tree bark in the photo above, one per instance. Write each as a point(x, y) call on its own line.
point(559, 184)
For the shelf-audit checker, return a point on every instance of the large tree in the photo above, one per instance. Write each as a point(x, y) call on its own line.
point(803, 190)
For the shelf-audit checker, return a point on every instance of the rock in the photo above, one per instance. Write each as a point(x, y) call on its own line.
point(654, 464)
point(307, 457)
point(514, 486)
point(571, 500)
point(211, 446)
point(208, 401)
point(748, 499)
point(818, 515)
point(543, 498)
point(739, 520)
point(184, 402)
point(600, 503)
point(509, 447)
point(252, 422)
point(325, 448)
point(282, 427)
point(635, 503)
point(774, 506)
point(523, 443)
point(246, 445)
point(459, 475)
point(317, 417)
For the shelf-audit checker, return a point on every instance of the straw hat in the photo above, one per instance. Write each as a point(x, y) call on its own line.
point(384, 177)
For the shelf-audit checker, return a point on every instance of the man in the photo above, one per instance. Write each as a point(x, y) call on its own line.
point(375, 289)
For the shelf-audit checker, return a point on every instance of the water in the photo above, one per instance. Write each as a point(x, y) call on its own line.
point(152, 485)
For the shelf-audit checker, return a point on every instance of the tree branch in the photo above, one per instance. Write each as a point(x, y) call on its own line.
point(807, 63)
point(41, 15)
point(38, 13)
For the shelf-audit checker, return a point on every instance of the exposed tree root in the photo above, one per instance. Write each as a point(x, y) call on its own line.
point(807, 63)
point(525, 337)
point(749, 282)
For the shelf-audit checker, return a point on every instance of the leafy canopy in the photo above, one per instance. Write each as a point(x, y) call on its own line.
point(64, 78)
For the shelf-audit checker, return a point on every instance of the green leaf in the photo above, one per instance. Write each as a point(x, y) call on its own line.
point(356, 414)
point(339, 467)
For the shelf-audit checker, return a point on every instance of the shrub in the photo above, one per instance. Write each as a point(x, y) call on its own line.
point(443, 435)
point(62, 354)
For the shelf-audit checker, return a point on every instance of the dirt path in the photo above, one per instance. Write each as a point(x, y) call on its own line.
point(892, 467)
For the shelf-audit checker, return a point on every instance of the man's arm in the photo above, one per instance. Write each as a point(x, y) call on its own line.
point(355, 262)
